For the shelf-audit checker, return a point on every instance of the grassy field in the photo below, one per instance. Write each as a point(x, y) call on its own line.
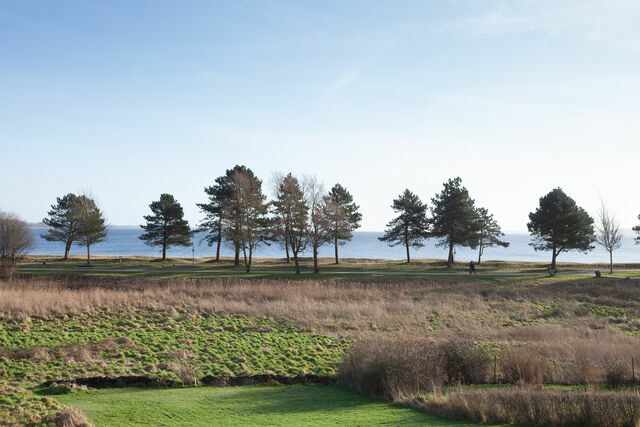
point(327, 266)
point(164, 344)
point(280, 405)
point(394, 338)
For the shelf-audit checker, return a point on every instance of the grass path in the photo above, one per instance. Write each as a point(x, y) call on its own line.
point(247, 405)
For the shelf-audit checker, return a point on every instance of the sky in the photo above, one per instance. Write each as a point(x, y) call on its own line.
point(126, 100)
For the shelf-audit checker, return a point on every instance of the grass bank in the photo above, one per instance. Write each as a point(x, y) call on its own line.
point(280, 405)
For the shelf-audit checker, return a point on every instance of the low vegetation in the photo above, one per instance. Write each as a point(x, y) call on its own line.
point(413, 341)
point(525, 405)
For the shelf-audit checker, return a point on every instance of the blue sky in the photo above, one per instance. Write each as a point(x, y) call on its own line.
point(129, 99)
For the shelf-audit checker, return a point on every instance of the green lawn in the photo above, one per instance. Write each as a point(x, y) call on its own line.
point(247, 405)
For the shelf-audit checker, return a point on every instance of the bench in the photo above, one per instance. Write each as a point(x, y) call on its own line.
point(84, 267)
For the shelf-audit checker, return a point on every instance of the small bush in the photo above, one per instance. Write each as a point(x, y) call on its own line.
point(465, 362)
point(520, 366)
point(71, 416)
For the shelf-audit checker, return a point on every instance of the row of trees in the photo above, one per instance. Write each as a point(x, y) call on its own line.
point(301, 215)
point(454, 220)
point(558, 224)
point(75, 219)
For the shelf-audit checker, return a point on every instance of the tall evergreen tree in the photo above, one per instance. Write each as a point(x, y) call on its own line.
point(292, 213)
point(63, 222)
point(245, 214)
point(560, 225)
point(410, 227)
point(343, 215)
point(92, 225)
point(167, 226)
point(489, 233)
point(219, 195)
point(454, 218)
point(212, 223)
point(637, 230)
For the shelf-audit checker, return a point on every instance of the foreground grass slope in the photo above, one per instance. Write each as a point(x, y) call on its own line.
point(282, 405)
point(175, 345)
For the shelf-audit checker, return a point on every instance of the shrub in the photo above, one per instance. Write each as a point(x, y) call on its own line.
point(538, 406)
point(520, 366)
point(465, 362)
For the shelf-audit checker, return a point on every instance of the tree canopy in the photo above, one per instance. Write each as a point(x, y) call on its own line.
point(219, 196)
point(343, 215)
point(489, 233)
point(560, 225)
point(292, 213)
point(454, 218)
point(245, 214)
point(166, 226)
point(410, 227)
point(15, 242)
point(63, 221)
point(92, 228)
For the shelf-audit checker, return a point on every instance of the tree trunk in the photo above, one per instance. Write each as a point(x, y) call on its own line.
point(450, 260)
point(479, 254)
point(315, 260)
point(610, 261)
point(295, 261)
point(164, 251)
point(247, 266)
point(67, 248)
point(286, 248)
point(88, 254)
point(336, 246)
point(218, 246)
point(236, 260)
point(250, 259)
point(553, 261)
point(406, 245)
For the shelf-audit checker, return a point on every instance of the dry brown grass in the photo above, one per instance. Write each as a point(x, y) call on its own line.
point(438, 308)
point(71, 416)
point(537, 406)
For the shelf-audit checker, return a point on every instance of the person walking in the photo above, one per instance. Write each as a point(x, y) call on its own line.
point(472, 267)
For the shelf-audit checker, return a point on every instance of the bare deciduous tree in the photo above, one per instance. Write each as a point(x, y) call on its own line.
point(320, 231)
point(608, 233)
point(15, 242)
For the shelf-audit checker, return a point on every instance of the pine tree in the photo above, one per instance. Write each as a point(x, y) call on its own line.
point(489, 233)
point(63, 222)
point(454, 218)
point(245, 214)
point(92, 226)
point(219, 195)
point(410, 227)
point(560, 225)
point(292, 214)
point(167, 226)
point(343, 215)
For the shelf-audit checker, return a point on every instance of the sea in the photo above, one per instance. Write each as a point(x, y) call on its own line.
point(124, 241)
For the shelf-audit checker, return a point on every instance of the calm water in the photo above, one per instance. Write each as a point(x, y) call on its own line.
point(124, 241)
